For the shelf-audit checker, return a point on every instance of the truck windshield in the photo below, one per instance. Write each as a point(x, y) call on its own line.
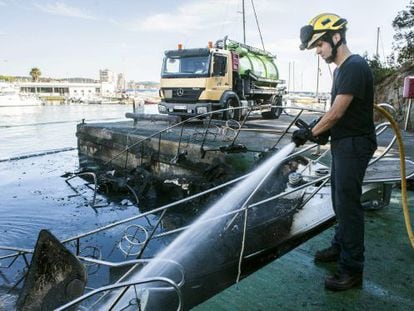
point(189, 66)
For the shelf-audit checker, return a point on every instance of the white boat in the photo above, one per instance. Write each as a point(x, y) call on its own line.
point(11, 96)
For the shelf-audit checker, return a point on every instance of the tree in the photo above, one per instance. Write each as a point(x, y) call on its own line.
point(35, 73)
point(379, 70)
point(403, 24)
point(7, 78)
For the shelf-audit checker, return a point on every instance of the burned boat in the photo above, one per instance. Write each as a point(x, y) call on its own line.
point(258, 221)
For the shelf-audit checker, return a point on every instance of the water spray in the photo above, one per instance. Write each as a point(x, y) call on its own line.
point(193, 247)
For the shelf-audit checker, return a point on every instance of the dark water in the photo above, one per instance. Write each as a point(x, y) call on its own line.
point(34, 196)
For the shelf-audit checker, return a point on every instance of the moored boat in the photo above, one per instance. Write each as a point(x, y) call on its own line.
point(12, 97)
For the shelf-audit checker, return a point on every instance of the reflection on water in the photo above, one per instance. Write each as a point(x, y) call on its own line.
point(37, 128)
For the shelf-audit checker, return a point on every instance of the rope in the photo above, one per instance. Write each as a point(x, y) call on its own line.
point(242, 245)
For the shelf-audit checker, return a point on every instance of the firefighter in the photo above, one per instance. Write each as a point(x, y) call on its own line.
point(353, 142)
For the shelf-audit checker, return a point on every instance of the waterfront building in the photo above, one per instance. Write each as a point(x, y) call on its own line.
point(61, 90)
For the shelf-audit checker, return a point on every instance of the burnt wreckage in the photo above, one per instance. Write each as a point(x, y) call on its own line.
point(261, 209)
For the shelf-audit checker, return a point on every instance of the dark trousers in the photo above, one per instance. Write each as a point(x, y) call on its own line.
point(350, 157)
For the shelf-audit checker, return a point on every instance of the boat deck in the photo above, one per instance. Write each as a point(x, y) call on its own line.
point(295, 282)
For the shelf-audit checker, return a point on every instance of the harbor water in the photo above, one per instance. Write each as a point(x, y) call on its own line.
point(26, 130)
point(38, 146)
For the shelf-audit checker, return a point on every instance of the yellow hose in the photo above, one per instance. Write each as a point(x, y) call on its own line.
point(394, 125)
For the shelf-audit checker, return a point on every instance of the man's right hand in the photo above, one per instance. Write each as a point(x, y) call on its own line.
point(301, 136)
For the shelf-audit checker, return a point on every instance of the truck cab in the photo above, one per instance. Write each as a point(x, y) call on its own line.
point(194, 80)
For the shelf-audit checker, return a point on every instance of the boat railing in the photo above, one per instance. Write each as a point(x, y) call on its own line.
point(123, 285)
point(189, 198)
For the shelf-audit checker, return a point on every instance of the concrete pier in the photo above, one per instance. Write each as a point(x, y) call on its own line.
point(193, 149)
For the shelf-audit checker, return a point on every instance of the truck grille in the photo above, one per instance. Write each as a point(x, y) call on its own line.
point(175, 95)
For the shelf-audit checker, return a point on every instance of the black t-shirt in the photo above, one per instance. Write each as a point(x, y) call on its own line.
point(354, 77)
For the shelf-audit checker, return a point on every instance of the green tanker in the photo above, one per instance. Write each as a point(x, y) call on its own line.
point(255, 61)
point(229, 75)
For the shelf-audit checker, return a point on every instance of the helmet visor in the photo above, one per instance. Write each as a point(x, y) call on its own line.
point(315, 39)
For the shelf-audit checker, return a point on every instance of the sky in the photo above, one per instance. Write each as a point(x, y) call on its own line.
point(77, 38)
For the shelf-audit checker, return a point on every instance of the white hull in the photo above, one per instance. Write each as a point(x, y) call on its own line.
point(17, 100)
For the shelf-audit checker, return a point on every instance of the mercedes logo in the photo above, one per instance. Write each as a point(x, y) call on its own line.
point(180, 92)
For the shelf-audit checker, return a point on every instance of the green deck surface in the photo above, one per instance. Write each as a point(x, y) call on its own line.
point(295, 282)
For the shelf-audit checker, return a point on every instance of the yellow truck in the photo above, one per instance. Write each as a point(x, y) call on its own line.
point(228, 74)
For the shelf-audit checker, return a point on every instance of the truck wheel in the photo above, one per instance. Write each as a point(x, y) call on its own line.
point(234, 114)
point(274, 112)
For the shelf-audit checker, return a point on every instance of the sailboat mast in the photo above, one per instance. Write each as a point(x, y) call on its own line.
point(244, 23)
point(257, 23)
point(378, 33)
point(317, 77)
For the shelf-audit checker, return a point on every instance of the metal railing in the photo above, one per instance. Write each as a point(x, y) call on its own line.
point(123, 285)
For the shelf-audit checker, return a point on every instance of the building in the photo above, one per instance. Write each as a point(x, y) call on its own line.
point(106, 75)
point(78, 89)
point(121, 83)
point(61, 90)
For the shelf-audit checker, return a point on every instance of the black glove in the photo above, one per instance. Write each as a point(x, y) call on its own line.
point(321, 139)
point(300, 136)
point(304, 133)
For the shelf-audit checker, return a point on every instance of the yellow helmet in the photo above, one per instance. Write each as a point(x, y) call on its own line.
point(318, 26)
